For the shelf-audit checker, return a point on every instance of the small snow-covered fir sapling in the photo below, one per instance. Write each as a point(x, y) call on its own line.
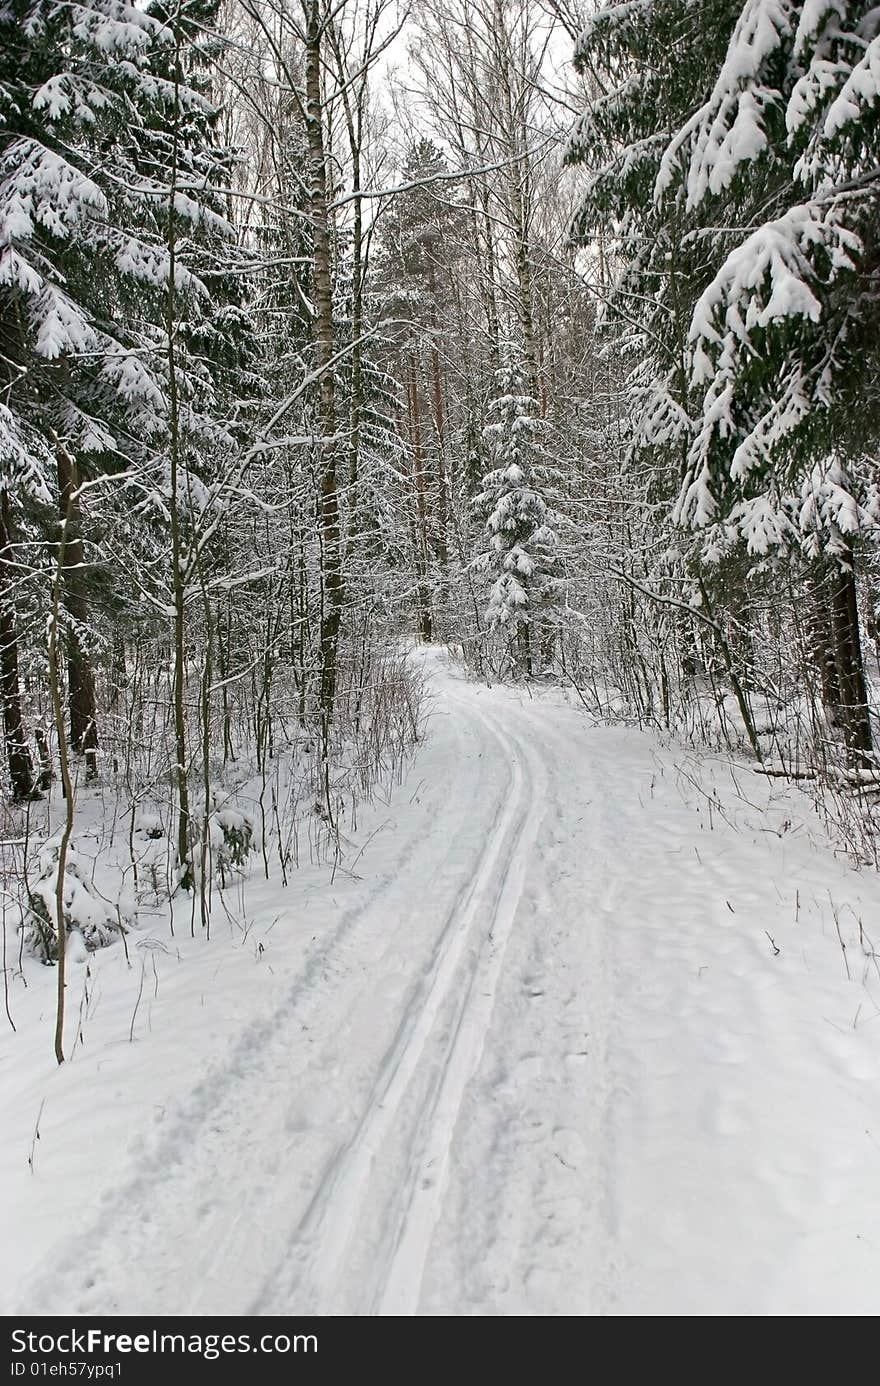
point(232, 834)
point(86, 912)
point(520, 525)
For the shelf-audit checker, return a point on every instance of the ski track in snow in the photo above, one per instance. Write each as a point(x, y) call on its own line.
point(538, 1060)
point(215, 1131)
point(456, 1026)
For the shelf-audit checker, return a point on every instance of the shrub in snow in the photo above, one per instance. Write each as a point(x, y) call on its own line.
point(86, 912)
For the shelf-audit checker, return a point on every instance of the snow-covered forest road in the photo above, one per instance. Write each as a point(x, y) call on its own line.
point(572, 1035)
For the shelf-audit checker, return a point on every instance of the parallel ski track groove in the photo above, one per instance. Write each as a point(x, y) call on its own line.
point(260, 1045)
point(398, 1291)
point(331, 1220)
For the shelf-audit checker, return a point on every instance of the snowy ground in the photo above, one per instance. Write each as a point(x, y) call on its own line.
point(573, 1035)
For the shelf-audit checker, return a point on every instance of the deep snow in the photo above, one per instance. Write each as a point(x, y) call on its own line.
point(572, 1035)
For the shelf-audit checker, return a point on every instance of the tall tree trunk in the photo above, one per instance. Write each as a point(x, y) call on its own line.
point(524, 646)
point(518, 177)
point(524, 295)
point(81, 701)
point(426, 625)
point(439, 426)
point(820, 628)
point(353, 108)
point(18, 756)
point(178, 585)
point(322, 294)
point(66, 780)
point(489, 276)
point(849, 663)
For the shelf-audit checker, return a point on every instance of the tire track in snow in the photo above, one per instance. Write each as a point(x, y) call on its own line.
point(331, 1222)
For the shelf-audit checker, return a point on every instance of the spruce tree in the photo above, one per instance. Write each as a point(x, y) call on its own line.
point(520, 526)
point(87, 101)
point(738, 168)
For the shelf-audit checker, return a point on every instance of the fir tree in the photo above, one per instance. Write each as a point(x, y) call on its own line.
point(86, 101)
point(520, 525)
point(737, 168)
